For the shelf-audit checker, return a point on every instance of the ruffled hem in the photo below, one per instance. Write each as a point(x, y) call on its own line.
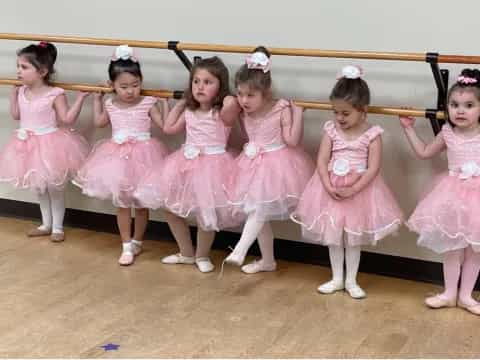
point(274, 209)
point(323, 230)
point(435, 237)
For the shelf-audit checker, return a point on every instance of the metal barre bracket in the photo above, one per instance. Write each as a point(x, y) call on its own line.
point(441, 81)
point(172, 45)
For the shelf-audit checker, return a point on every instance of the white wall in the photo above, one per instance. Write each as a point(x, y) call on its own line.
point(404, 26)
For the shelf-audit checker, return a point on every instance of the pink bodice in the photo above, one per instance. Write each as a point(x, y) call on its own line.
point(206, 129)
point(38, 113)
point(460, 151)
point(133, 120)
point(266, 130)
point(354, 151)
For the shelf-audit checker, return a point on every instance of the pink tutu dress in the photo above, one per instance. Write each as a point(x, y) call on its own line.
point(115, 166)
point(448, 217)
point(366, 217)
point(269, 176)
point(40, 154)
point(192, 182)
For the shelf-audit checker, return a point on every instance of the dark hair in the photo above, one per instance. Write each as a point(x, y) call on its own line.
point(353, 91)
point(461, 85)
point(215, 66)
point(119, 66)
point(42, 56)
point(255, 78)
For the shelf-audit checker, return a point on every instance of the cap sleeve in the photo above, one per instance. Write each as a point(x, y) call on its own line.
point(108, 104)
point(446, 132)
point(56, 91)
point(148, 102)
point(329, 128)
point(282, 104)
point(371, 134)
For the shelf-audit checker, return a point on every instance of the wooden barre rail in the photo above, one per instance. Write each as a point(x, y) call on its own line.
point(93, 88)
point(458, 59)
point(169, 94)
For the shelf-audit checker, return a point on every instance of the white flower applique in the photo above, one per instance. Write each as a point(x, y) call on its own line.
point(341, 167)
point(190, 152)
point(251, 150)
point(22, 134)
point(468, 170)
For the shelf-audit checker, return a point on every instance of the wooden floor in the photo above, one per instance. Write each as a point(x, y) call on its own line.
point(66, 300)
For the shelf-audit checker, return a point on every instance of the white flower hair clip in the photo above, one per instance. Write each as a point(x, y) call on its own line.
point(124, 52)
point(351, 72)
point(258, 60)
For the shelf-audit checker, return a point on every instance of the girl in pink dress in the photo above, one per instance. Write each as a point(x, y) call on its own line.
point(192, 183)
point(447, 218)
point(113, 169)
point(273, 170)
point(42, 156)
point(347, 193)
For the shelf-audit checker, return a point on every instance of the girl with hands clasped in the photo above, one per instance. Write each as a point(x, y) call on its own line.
point(42, 156)
point(113, 169)
point(346, 204)
point(447, 218)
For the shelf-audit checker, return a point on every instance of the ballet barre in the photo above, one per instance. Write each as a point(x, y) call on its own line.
point(436, 116)
point(182, 46)
point(305, 104)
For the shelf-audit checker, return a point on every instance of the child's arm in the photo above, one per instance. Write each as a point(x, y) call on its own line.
point(323, 158)
point(374, 162)
point(292, 124)
point(175, 121)
point(100, 115)
point(65, 114)
point(230, 110)
point(159, 112)
point(422, 150)
point(14, 109)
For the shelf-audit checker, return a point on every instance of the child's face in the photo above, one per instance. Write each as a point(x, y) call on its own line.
point(127, 87)
point(464, 109)
point(27, 73)
point(251, 100)
point(205, 87)
point(347, 116)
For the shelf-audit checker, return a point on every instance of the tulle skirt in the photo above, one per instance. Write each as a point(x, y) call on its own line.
point(113, 171)
point(366, 217)
point(194, 188)
point(271, 183)
point(37, 162)
point(448, 217)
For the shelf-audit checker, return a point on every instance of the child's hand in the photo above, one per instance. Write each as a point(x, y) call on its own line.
point(162, 101)
point(82, 94)
point(333, 193)
point(230, 100)
point(295, 108)
point(345, 192)
point(15, 90)
point(407, 121)
point(98, 95)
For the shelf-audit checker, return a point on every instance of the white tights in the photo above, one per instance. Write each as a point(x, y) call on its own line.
point(52, 207)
